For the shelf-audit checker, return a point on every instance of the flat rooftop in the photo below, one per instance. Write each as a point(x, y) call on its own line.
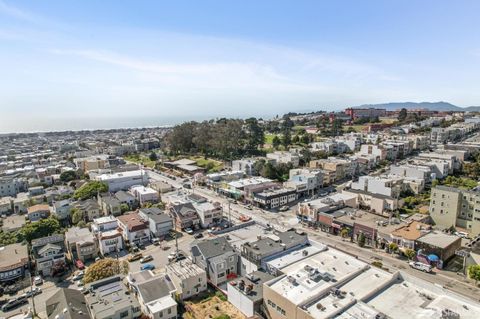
point(418, 299)
point(327, 267)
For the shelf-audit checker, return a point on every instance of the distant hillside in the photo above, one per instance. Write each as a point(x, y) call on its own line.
point(436, 106)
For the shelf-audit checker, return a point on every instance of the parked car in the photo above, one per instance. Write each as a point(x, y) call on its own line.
point(283, 208)
point(198, 235)
point(156, 241)
point(147, 267)
point(420, 266)
point(134, 257)
point(461, 234)
point(146, 259)
point(176, 256)
point(189, 231)
point(35, 291)
point(79, 275)
point(37, 281)
point(11, 304)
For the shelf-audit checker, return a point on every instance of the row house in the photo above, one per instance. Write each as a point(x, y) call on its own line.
point(135, 230)
point(47, 251)
point(108, 235)
point(160, 224)
point(81, 244)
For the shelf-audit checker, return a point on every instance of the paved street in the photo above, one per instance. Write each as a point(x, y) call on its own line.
point(285, 220)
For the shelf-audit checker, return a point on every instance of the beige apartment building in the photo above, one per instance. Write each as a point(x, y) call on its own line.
point(456, 207)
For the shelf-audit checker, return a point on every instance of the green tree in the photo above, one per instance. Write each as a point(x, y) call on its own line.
point(76, 215)
point(255, 134)
point(124, 208)
point(392, 247)
point(90, 189)
point(276, 142)
point(409, 253)
point(68, 176)
point(153, 156)
point(344, 233)
point(42, 228)
point(105, 268)
point(402, 115)
point(361, 240)
point(474, 272)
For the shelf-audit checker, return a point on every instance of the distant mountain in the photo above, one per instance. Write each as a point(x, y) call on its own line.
point(435, 106)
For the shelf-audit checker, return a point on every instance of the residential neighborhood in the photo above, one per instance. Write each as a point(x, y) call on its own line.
point(132, 224)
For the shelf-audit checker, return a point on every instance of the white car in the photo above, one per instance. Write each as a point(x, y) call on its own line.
point(78, 276)
point(37, 280)
point(420, 266)
point(283, 208)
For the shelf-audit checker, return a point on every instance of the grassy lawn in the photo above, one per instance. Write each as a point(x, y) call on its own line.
point(210, 164)
point(140, 159)
point(211, 307)
point(357, 128)
point(269, 138)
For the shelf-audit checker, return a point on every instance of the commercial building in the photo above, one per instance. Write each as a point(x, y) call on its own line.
point(123, 180)
point(275, 198)
point(332, 284)
point(246, 166)
point(439, 244)
point(305, 181)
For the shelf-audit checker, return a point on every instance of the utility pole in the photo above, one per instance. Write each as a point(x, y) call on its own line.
point(34, 311)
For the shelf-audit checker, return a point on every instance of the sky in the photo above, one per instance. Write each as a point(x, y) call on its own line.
point(89, 64)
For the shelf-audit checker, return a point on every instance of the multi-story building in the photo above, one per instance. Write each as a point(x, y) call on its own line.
point(145, 194)
point(11, 186)
point(283, 157)
point(185, 216)
point(62, 209)
point(274, 198)
point(47, 251)
point(13, 262)
point(390, 187)
point(453, 207)
point(92, 163)
point(134, 229)
point(123, 180)
point(343, 168)
point(188, 278)
point(81, 244)
point(247, 166)
point(210, 214)
point(89, 208)
point(109, 205)
point(109, 298)
point(218, 258)
point(37, 212)
point(355, 112)
point(160, 224)
point(259, 251)
point(109, 238)
point(305, 181)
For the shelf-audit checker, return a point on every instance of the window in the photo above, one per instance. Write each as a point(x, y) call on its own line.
point(169, 310)
point(160, 314)
point(124, 314)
